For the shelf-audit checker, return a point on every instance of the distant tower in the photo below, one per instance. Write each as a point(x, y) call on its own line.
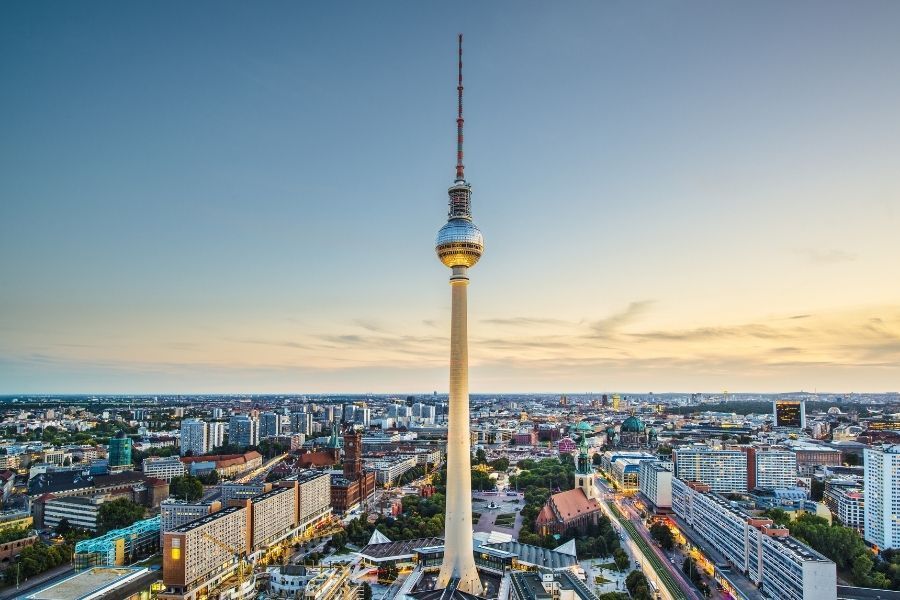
point(459, 245)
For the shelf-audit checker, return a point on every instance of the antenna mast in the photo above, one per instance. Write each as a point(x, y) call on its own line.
point(460, 169)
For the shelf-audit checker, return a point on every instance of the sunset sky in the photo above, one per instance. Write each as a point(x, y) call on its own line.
point(243, 197)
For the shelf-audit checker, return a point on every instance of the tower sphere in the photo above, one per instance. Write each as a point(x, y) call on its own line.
point(459, 243)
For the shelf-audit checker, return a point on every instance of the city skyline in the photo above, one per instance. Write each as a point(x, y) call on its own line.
point(197, 214)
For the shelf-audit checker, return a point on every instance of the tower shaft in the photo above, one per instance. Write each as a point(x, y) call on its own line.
point(459, 561)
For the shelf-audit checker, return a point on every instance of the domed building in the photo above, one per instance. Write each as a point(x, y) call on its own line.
point(633, 433)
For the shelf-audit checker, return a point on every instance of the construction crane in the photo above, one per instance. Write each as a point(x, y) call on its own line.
point(240, 558)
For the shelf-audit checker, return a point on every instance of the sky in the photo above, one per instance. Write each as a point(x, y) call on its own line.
point(243, 197)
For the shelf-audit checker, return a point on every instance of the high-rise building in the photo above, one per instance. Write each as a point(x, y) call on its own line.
point(194, 437)
point(269, 424)
point(722, 470)
point(120, 452)
point(882, 496)
point(243, 430)
point(655, 482)
point(215, 435)
point(789, 413)
point(301, 422)
point(775, 469)
point(459, 245)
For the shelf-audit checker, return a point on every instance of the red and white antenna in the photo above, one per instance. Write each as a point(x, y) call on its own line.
point(460, 169)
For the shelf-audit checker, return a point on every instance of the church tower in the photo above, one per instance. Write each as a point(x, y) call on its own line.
point(584, 471)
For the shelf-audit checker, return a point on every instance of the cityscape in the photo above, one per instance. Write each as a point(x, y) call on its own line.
point(201, 399)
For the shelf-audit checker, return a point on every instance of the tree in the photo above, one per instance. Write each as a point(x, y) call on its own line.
point(637, 585)
point(778, 516)
point(480, 457)
point(118, 513)
point(210, 478)
point(187, 488)
point(367, 591)
point(816, 489)
point(500, 464)
point(63, 527)
point(620, 557)
point(662, 534)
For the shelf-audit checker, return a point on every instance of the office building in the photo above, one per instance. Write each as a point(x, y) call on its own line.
point(882, 488)
point(119, 454)
point(655, 483)
point(390, 468)
point(79, 511)
point(780, 565)
point(790, 414)
point(243, 430)
point(722, 470)
point(847, 505)
point(164, 468)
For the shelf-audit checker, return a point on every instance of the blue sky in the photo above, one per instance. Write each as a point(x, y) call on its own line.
point(243, 197)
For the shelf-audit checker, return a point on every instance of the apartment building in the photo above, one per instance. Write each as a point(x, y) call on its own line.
point(780, 565)
point(847, 505)
point(655, 483)
point(313, 495)
point(164, 468)
point(722, 470)
point(389, 469)
point(775, 469)
point(194, 437)
point(882, 506)
point(243, 430)
point(200, 554)
point(274, 516)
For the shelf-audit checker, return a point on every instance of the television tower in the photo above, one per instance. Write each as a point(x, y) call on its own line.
point(459, 245)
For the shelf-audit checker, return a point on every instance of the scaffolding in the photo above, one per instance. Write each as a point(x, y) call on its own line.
point(119, 546)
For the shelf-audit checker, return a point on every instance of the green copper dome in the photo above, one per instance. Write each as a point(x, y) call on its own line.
point(583, 426)
point(632, 425)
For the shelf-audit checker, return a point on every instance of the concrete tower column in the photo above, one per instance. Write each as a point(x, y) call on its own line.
point(459, 562)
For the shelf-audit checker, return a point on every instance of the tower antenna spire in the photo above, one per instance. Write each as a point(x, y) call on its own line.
point(460, 169)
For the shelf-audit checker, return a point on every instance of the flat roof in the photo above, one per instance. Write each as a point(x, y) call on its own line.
point(87, 583)
point(207, 519)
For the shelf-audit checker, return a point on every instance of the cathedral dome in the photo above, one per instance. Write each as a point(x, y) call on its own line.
point(632, 425)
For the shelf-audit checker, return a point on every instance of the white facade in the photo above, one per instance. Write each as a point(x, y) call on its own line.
point(163, 468)
point(776, 469)
point(655, 482)
point(882, 488)
point(194, 437)
point(215, 434)
point(79, 511)
point(783, 567)
point(175, 513)
point(722, 470)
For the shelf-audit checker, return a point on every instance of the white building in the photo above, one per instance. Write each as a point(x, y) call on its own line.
point(163, 468)
point(882, 487)
point(175, 513)
point(847, 504)
point(79, 511)
point(655, 482)
point(215, 435)
point(722, 470)
point(388, 469)
point(780, 565)
point(194, 437)
point(776, 469)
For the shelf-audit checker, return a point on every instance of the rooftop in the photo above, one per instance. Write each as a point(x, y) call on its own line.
point(87, 583)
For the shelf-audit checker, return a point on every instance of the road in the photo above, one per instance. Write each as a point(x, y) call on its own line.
point(656, 567)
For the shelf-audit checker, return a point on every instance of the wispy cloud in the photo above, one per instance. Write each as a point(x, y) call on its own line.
point(826, 256)
point(613, 323)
